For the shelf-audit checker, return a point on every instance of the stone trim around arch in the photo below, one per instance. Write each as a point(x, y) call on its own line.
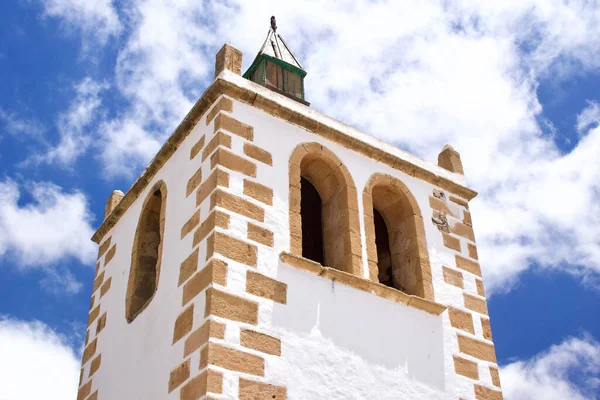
point(341, 227)
point(132, 284)
point(404, 220)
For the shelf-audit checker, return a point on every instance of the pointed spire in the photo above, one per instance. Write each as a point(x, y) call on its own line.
point(276, 67)
point(274, 46)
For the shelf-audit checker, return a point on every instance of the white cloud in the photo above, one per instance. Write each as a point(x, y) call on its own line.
point(570, 370)
point(36, 362)
point(97, 18)
point(419, 74)
point(589, 117)
point(20, 127)
point(54, 227)
point(161, 60)
point(76, 125)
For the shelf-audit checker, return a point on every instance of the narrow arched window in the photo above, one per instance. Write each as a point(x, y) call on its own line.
point(324, 224)
point(395, 234)
point(311, 209)
point(146, 253)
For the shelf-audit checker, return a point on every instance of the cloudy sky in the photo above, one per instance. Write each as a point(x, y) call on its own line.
point(91, 89)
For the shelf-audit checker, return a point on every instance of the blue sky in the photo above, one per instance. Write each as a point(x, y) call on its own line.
point(90, 90)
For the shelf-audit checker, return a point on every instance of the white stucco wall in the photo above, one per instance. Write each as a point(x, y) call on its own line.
point(137, 357)
point(337, 342)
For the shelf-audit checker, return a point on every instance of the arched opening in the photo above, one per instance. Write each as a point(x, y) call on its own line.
point(146, 253)
point(311, 209)
point(396, 245)
point(321, 184)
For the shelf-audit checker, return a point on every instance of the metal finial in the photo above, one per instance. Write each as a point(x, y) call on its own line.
point(273, 24)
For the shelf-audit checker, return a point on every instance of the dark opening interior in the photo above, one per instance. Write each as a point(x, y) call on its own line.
point(311, 209)
point(145, 267)
point(384, 256)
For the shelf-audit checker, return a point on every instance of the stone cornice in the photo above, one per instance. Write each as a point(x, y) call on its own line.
point(281, 107)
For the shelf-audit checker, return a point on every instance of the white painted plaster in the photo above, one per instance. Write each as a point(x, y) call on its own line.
point(337, 342)
point(341, 343)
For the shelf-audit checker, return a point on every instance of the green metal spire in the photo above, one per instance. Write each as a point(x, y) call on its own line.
point(276, 67)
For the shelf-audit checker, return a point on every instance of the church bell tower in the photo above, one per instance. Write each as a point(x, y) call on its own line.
point(269, 251)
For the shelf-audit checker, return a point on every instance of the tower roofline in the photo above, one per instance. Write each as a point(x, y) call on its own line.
point(234, 86)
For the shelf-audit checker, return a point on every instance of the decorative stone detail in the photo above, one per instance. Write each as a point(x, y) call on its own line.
point(233, 162)
point(480, 289)
point(113, 200)
point(467, 265)
point(460, 202)
point(98, 281)
point(224, 104)
point(466, 368)
point(188, 267)
point(439, 205)
point(101, 323)
point(260, 235)
point(201, 335)
point(467, 218)
point(463, 230)
point(252, 390)
point(93, 315)
point(214, 272)
point(207, 381)
point(104, 247)
point(232, 248)
point(475, 348)
point(451, 242)
point(110, 254)
point(439, 219)
point(483, 393)
point(220, 139)
point(453, 277)
point(89, 352)
point(197, 147)
point(486, 327)
point(260, 342)
point(495, 376)
point(237, 205)
point(183, 323)
point(190, 224)
point(258, 154)
point(263, 286)
point(84, 391)
point(475, 304)
point(194, 181)
point(472, 251)
point(450, 159)
point(215, 219)
point(228, 58)
point(217, 178)
point(179, 375)
point(231, 359)
point(105, 287)
point(230, 124)
point(461, 320)
point(258, 192)
point(235, 308)
point(95, 364)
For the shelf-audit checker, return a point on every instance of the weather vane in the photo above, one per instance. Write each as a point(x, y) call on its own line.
point(273, 24)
